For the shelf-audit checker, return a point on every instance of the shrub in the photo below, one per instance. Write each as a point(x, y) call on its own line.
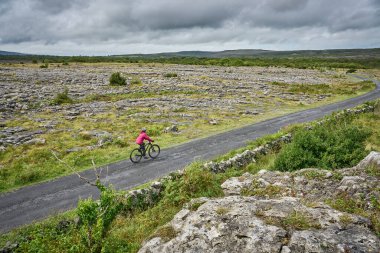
point(44, 66)
point(351, 71)
point(136, 81)
point(170, 75)
point(325, 146)
point(62, 98)
point(154, 131)
point(97, 216)
point(117, 79)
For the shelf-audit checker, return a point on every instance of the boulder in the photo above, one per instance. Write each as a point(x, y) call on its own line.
point(213, 122)
point(171, 129)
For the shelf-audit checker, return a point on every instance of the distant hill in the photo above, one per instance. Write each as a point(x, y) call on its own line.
point(10, 53)
point(205, 54)
point(346, 53)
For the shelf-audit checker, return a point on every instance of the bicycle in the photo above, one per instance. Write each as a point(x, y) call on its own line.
point(152, 149)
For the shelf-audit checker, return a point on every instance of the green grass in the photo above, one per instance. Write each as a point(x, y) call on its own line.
point(341, 89)
point(270, 191)
point(293, 221)
point(300, 221)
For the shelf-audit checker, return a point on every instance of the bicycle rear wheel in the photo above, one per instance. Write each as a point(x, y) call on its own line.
point(136, 155)
point(154, 151)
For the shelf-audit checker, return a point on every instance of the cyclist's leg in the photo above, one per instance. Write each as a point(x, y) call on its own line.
point(142, 148)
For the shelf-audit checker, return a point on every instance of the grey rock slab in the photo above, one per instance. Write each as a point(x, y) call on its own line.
point(244, 224)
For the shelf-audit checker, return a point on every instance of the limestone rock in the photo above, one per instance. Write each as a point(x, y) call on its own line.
point(36, 141)
point(311, 184)
point(373, 159)
point(234, 185)
point(213, 122)
point(246, 224)
point(171, 129)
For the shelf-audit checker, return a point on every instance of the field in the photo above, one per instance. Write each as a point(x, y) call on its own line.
point(70, 108)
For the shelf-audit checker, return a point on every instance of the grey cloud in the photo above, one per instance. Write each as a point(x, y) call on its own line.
point(287, 5)
point(181, 22)
point(4, 6)
point(53, 6)
point(359, 18)
point(185, 14)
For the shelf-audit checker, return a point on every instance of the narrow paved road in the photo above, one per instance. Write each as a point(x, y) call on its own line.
point(36, 202)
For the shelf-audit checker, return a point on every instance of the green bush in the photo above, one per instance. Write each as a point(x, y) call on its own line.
point(170, 75)
point(351, 71)
point(97, 216)
point(62, 98)
point(44, 66)
point(329, 146)
point(117, 79)
point(136, 81)
point(154, 131)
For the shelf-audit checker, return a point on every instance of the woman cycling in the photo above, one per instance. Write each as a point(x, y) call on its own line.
point(140, 141)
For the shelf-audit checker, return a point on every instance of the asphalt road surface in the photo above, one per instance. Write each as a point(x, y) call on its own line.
point(36, 202)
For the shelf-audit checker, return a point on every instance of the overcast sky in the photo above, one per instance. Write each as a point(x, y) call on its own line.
point(104, 27)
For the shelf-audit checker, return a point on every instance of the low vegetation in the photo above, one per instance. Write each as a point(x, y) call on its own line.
point(136, 81)
point(289, 61)
point(343, 89)
point(44, 66)
point(294, 221)
point(355, 205)
point(96, 217)
point(332, 145)
point(170, 75)
point(117, 79)
point(62, 98)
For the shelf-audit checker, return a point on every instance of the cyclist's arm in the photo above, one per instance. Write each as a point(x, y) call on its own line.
point(146, 137)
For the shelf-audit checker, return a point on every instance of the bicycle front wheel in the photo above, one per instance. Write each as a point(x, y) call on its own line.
point(136, 155)
point(154, 151)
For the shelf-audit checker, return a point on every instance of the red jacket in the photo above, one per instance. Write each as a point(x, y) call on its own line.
point(143, 136)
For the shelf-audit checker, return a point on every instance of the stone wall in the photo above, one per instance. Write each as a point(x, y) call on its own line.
point(248, 156)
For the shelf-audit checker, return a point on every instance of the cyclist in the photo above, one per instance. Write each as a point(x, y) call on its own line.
point(140, 141)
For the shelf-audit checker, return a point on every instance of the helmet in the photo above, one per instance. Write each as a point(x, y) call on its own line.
point(143, 129)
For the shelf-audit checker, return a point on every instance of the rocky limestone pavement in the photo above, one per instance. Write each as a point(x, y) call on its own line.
point(30, 90)
point(280, 212)
point(247, 224)
point(19, 135)
point(361, 181)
